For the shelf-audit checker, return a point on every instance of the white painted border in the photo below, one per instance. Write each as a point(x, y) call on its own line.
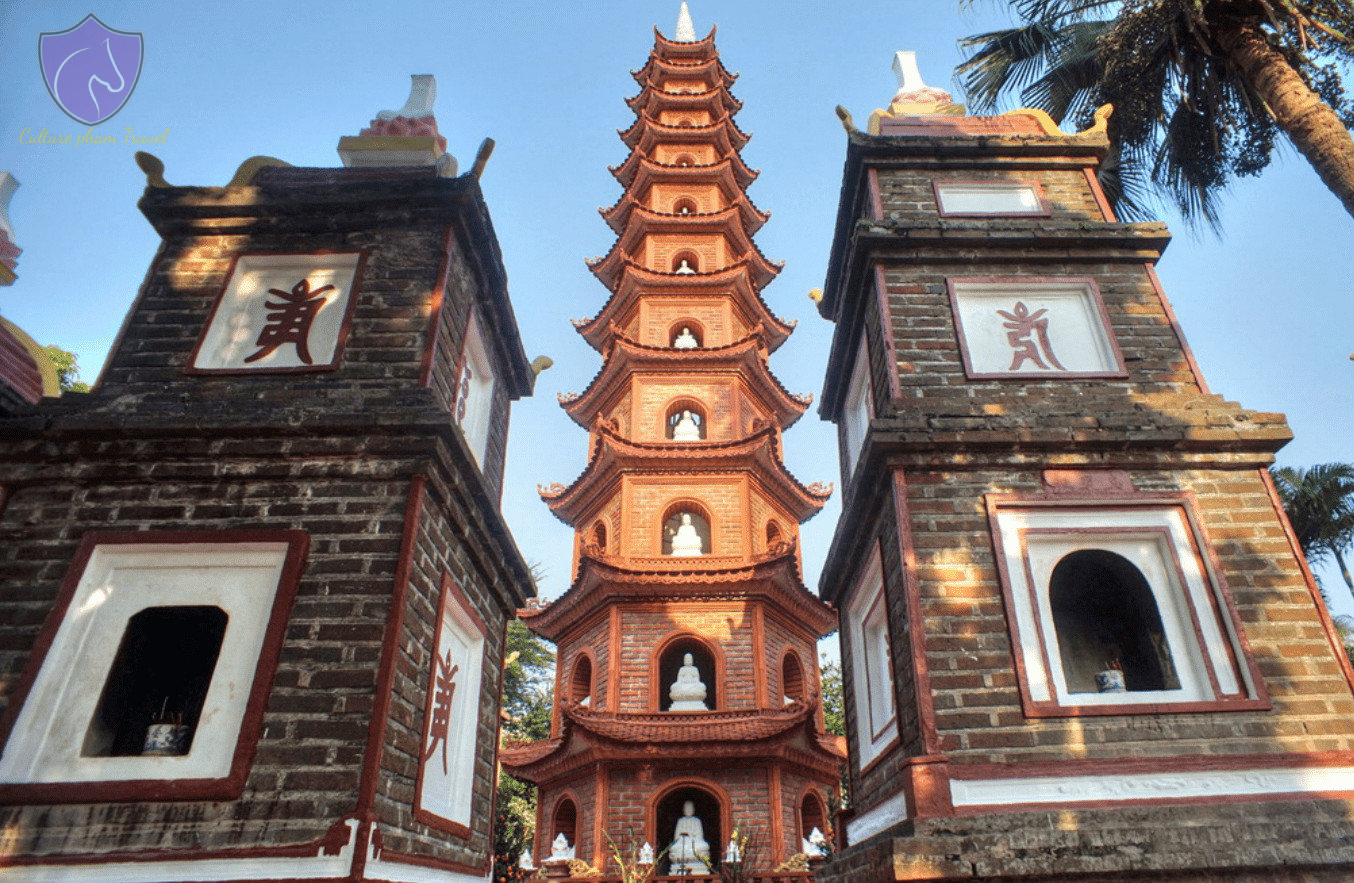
point(318, 867)
point(867, 592)
point(877, 818)
point(1059, 790)
point(476, 391)
point(984, 198)
point(403, 872)
point(858, 409)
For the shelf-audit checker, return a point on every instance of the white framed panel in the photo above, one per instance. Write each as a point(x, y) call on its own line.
point(1033, 328)
point(280, 313)
point(118, 581)
point(989, 197)
point(871, 662)
point(858, 409)
point(475, 391)
point(446, 778)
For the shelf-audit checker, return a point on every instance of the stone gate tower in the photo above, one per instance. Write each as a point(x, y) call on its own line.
point(687, 667)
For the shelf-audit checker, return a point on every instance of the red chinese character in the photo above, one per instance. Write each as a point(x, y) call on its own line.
point(439, 723)
point(290, 320)
point(1023, 323)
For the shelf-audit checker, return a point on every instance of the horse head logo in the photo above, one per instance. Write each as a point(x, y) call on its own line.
point(90, 69)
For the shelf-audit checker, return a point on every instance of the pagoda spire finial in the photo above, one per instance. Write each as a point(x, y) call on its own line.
point(686, 30)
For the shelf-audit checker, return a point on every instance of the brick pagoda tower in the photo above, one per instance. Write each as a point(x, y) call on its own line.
point(1079, 640)
point(686, 520)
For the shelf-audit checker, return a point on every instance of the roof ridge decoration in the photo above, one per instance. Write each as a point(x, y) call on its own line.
point(685, 32)
point(404, 137)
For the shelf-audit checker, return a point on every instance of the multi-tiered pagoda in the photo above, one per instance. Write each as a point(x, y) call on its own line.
point(687, 683)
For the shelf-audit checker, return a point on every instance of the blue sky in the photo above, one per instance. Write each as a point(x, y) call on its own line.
point(1268, 308)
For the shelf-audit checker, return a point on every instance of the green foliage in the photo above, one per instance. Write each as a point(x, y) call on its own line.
point(834, 712)
point(1187, 117)
point(67, 369)
point(1320, 505)
point(514, 828)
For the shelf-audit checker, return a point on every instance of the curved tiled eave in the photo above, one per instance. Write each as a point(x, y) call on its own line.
point(718, 102)
point(772, 578)
point(747, 358)
point(712, 71)
point(634, 279)
point(757, 456)
point(640, 170)
point(608, 269)
point(788, 735)
point(677, 51)
point(727, 223)
point(632, 135)
point(618, 216)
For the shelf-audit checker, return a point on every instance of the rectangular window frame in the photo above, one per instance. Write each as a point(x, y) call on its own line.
point(196, 776)
point(938, 185)
point(872, 664)
point(1102, 330)
point(857, 410)
point(1214, 650)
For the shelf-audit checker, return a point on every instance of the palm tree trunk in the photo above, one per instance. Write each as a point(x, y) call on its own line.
point(1344, 571)
point(1312, 125)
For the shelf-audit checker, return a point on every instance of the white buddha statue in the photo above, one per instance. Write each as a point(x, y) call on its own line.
point(560, 849)
point(686, 340)
point(684, 269)
point(688, 691)
point(815, 843)
point(686, 542)
point(686, 428)
point(646, 854)
point(689, 853)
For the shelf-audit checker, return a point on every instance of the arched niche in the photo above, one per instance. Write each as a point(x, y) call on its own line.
point(812, 814)
point(564, 820)
point(680, 522)
point(685, 417)
point(598, 535)
point(685, 123)
point(580, 681)
point(773, 534)
point(685, 160)
point(685, 205)
point(710, 805)
point(686, 334)
point(685, 261)
point(792, 682)
point(1106, 618)
point(668, 660)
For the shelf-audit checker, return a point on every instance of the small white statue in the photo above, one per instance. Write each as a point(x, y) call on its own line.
point(525, 862)
point(686, 340)
point(689, 853)
point(688, 691)
point(560, 849)
point(816, 844)
point(646, 854)
point(733, 855)
point(686, 428)
point(684, 269)
point(686, 542)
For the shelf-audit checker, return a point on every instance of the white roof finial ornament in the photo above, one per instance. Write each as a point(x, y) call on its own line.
point(422, 94)
point(686, 31)
point(914, 98)
point(906, 70)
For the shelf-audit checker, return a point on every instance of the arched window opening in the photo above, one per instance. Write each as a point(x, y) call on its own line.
point(599, 536)
point(686, 422)
point(792, 678)
point(686, 335)
point(812, 816)
point(685, 160)
point(686, 123)
point(685, 262)
point(1108, 626)
point(580, 685)
point(773, 534)
point(685, 206)
point(686, 532)
point(565, 821)
point(690, 830)
point(692, 689)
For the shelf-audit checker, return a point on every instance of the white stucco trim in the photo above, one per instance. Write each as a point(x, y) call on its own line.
point(209, 870)
point(866, 623)
point(877, 818)
point(402, 872)
point(1059, 790)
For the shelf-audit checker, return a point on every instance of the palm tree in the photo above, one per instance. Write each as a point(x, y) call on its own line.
point(1200, 88)
point(1320, 506)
